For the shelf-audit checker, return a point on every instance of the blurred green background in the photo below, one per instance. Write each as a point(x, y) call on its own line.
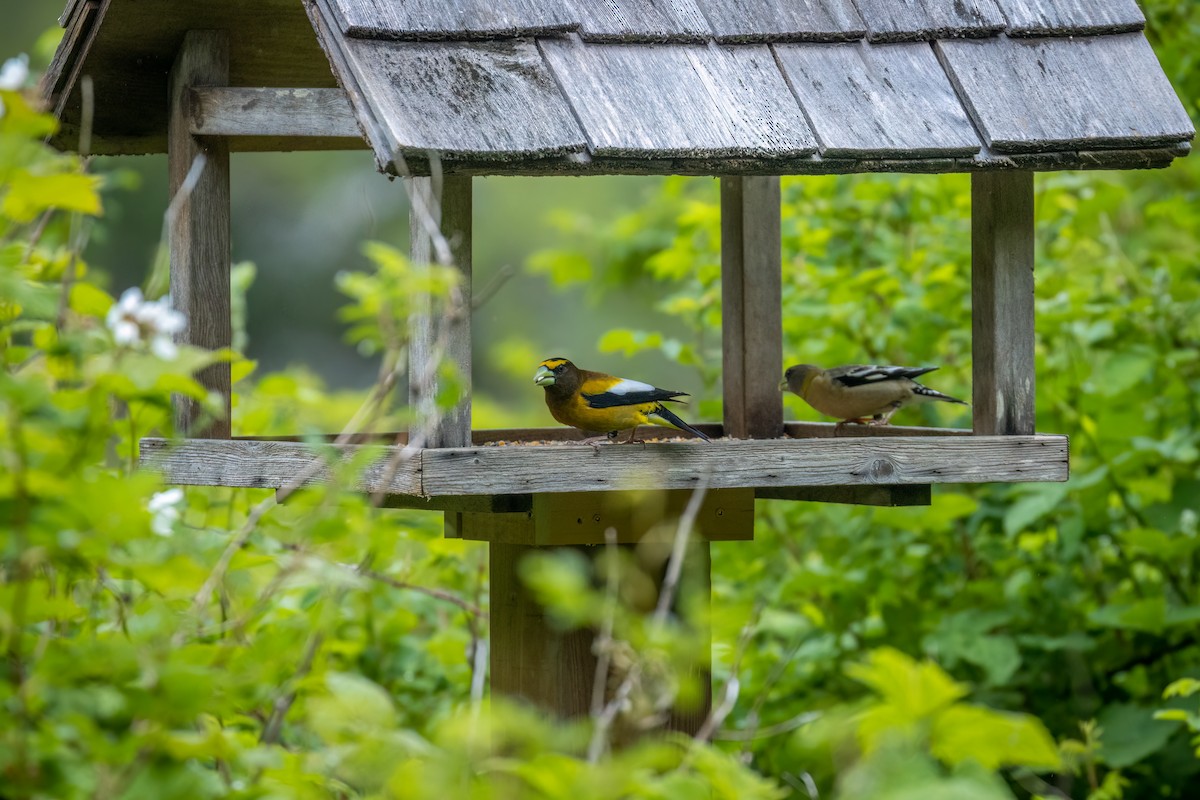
point(301, 217)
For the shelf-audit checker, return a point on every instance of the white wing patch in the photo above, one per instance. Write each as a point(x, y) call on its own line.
point(625, 386)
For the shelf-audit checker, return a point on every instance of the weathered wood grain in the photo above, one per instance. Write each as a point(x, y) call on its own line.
point(641, 20)
point(1002, 314)
point(984, 161)
point(878, 101)
point(433, 340)
point(912, 20)
point(489, 503)
point(198, 234)
point(704, 101)
point(273, 465)
point(772, 21)
point(81, 21)
point(733, 464)
point(505, 437)
point(461, 19)
point(1030, 95)
point(277, 113)
point(908, 495)
point(532, 659)
point(496, 99)
point(751, 307)
point(134, 45)
point(1071, 17)
point(579, 518)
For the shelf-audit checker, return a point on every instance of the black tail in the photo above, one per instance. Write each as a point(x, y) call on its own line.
point(669, 416)
point(936, 395)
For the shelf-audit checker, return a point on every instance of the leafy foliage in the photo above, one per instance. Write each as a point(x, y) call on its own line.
point(1009, 641)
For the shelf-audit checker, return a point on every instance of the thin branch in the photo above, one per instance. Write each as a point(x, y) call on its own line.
point(788, 725)
point(602, 646)
point(666, 598)
point(283, 703)
point(729, 692)
point(438, 594)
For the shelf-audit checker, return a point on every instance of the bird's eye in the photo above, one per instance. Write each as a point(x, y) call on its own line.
point(561, 368)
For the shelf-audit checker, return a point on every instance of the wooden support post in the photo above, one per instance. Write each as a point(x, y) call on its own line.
point(1002, 327)
point(751, 302)
point(443, 205)
point(555, 671)
point(530, 659)
point(199, 223)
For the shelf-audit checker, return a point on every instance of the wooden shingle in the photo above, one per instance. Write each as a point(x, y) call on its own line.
point(873, 101)
point(913, 20)
point(1028, 95)
point(679, 101)
point(1071, 17)
point(795, 21)
point(463, 99)
point(439, 19)
point(640, 20)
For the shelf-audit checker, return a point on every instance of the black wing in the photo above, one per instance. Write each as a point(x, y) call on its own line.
point(861, 375)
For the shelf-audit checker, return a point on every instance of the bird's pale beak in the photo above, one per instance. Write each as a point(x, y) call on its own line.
point(543, 377)
point(783, 385)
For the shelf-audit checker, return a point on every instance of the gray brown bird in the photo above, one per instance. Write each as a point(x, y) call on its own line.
point(861, 394)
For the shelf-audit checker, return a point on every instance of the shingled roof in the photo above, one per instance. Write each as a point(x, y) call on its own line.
point(746, 86)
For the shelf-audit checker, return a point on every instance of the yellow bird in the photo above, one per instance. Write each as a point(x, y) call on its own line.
point(593, 401)
point(861, 394)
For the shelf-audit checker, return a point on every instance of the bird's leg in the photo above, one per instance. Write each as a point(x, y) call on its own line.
point(885, 417)
point(631, 440)
point(856, 420)
point(604, 438)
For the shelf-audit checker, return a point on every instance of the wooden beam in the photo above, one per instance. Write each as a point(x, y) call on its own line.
point(745, 463)
point(477, 504)
point(273, 465)
point(511, 436)
point(907, 495)
point(751, 310)
point(199, 224)
point(278, 113)
point(530, 469)
point(581, 518)
point(1002, 319)
point(447, 206)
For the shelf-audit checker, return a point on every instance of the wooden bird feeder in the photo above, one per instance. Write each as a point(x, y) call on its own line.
point(445, 90)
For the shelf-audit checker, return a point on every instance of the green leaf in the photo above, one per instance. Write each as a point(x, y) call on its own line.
point(992, 739)
point(30, 195)
point(1130, 733)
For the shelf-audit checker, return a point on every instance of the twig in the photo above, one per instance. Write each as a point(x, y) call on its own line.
point(283, 703)
point(602, 646)
point(788, 725)
point(666, 598)
point(729, 692)
point(439, 594)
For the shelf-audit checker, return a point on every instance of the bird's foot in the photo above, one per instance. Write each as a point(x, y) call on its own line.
point(837, 429)
point(596, 441)
point(631, 439)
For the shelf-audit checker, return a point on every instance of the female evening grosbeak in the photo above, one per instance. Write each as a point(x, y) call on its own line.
point(593, 401)
point(861, 394)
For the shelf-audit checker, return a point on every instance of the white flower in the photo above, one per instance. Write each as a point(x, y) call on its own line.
point(14, 73)
point(134, 320)
point(165, 511)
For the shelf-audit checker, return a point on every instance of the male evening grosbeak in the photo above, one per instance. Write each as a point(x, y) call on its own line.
point(593, 401)
point(861, 394)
